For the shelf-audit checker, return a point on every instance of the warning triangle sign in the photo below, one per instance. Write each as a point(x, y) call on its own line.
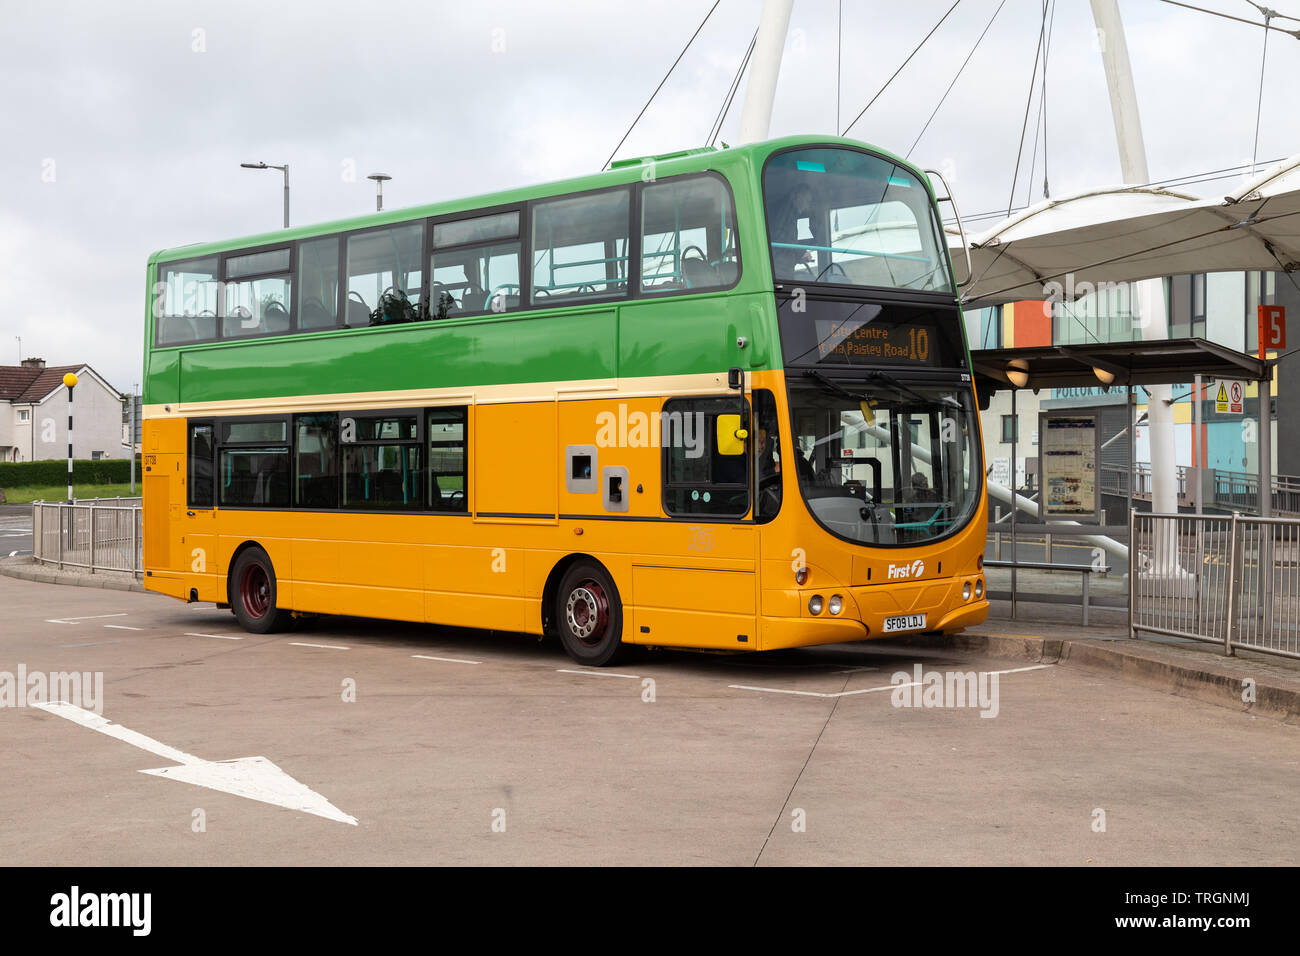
point(1223, 394)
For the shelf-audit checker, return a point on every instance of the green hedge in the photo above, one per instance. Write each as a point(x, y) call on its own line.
point(40, 474)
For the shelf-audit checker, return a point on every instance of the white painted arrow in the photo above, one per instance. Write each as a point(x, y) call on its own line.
point(253, 777)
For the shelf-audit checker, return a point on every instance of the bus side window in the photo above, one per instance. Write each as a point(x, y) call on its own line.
point(688, 235)
point(185, 301)
point(447, 459)
point(580, 247)
point(318, 284)
point(697, 478)
point(316, 474)
point(384, 275)
point(200, 466)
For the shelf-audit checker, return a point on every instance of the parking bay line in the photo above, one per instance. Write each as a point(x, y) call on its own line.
point(563, 670)
point(327, 647)
point(85, 617)
point(223, 637)
point(447, 660)
point(866, 690)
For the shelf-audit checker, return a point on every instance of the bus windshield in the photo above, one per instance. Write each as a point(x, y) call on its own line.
point(882, 460)
point(846, 217)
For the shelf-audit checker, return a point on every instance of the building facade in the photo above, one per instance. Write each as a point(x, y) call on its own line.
point(1219, 307)
point(34, 414)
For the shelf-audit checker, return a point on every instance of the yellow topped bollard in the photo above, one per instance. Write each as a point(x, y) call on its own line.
point(70, 379)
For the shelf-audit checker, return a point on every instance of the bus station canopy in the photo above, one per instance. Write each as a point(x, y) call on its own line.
point(1167, 362)
point(1067, 246)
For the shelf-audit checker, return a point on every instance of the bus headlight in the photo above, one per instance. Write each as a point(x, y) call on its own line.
point(837, 604)
point(815, 604)
point(965, 591)
point(979, 588)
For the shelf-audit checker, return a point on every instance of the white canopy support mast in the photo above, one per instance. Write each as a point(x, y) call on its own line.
point(765, 69)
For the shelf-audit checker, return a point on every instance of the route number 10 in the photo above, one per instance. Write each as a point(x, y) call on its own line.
point(919, 339)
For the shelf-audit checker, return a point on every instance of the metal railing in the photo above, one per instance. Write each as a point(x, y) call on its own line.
point(103, 534)
point(1227, 490)
point(1233, 581)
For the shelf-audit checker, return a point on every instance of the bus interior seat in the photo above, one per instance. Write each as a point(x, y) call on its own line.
point(697, 273)
point(317, 491)
point(473, 301)
point(314, 315)
point(726, 272)
point(358, 311)
point(275, 318)
point(388, 488)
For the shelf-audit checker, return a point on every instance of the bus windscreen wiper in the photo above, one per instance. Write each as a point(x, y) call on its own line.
point(915, 395)
point(833, 386)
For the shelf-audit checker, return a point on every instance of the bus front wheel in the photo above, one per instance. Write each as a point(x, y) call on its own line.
point(253, 594)
point(589, 615)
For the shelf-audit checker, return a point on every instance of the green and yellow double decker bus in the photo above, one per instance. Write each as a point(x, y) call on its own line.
point(716, 399)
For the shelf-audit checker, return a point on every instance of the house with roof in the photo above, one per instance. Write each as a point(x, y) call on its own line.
point(34, 414)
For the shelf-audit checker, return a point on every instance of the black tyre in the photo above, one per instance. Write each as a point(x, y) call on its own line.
point(589, 615)
point(253, 594)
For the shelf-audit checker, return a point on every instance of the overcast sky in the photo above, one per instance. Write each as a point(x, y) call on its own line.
point(124, 123)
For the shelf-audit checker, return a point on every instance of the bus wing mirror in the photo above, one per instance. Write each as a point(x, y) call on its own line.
point(961, 229)
point(731, 435)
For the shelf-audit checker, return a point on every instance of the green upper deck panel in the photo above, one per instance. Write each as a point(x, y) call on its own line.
point(336, 315)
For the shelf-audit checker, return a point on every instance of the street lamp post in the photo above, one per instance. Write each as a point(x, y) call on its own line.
point(380, 179)
point(284, 169)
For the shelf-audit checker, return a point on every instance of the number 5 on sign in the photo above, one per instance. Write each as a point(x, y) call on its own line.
point(1272, 328)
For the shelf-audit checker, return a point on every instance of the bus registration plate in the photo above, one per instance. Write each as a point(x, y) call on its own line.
point(905, 622)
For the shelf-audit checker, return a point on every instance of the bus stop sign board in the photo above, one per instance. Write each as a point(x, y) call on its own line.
point(1272, 328)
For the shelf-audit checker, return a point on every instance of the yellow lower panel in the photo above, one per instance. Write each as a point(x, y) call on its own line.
point(394, 604)
point(695, 589)
point(968, 615)
point(804, 632)
point(664, 627)
point(173, 585)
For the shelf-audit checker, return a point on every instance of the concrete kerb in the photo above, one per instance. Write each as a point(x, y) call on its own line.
point(28, 569)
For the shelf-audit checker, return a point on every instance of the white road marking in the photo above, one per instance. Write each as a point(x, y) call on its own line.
point(328, 647)
point(84, 617)
point(122, 627)
point(13, 554)
point(224, 637)
point(90, 644)
point(255, 778)
point(867, 690)
point(562, 670)
point(449, 660)
point(813, 693)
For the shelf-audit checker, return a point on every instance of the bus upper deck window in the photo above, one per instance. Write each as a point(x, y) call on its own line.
point(185, 301)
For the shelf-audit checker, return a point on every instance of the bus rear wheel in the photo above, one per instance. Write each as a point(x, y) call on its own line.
point(253, 594)
point(589, 615)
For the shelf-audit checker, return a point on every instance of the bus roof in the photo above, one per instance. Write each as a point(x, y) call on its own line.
point(622, 171)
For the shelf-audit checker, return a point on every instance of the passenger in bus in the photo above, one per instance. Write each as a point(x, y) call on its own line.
point(765, 452)
point(785, 229)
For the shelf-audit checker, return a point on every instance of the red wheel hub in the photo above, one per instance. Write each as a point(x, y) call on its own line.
point(255, 591)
